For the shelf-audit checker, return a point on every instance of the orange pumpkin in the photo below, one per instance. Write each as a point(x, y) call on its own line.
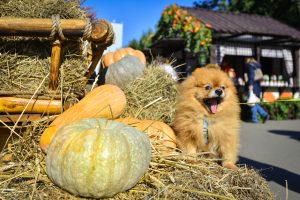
point(112, 57)
point(141, 56)
point(286, 95)
point(269, 97)
point(129, 51)
point(108, 59)
point(159, 132)
point(118, 55)
point(106, 101)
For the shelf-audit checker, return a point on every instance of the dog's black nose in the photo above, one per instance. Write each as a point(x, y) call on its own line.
point(219, 92)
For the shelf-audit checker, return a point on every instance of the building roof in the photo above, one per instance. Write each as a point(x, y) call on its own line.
point(242, 24)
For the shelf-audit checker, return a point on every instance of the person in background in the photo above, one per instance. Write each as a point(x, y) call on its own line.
point(254, 89)
point(229, 70)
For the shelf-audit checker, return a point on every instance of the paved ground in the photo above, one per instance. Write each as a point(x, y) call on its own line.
point(274, 148)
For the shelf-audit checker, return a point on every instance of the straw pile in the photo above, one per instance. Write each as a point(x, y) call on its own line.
point(151, 96)
point(173, 176)
point(170, 177)
point(24, 61)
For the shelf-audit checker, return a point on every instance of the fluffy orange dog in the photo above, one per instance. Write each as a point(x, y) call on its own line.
point(207, 117)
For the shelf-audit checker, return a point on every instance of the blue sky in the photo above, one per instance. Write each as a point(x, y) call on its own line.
point(137, 16)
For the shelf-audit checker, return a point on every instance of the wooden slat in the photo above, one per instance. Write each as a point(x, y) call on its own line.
point(17, 105)
point(25, 118)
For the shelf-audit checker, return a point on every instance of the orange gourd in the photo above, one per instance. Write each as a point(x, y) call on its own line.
point(286, 95)
point(129, 51)
point(269, 97)
point(141, 56)
point(118, 55)
point(108, 59)
point(159, 132)
point(112, 57)
point(106, 101)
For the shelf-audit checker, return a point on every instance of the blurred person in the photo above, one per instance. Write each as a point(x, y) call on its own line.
point(254, 89)
point(229, 70)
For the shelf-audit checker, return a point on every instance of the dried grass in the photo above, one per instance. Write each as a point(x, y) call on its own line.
point(169, 176)
point(41, 8)
point(151, 96)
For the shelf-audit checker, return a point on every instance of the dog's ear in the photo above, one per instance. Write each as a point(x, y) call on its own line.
point(196, 71)
point(212, 66)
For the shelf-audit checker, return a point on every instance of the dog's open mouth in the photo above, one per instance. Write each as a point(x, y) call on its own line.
point(212, 104)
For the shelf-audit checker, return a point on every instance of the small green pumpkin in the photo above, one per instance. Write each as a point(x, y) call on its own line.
point(97, 157)
point(124, 71)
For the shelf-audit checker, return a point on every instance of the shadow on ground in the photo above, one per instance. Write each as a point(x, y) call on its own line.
point(273, 173)
point(292, 134)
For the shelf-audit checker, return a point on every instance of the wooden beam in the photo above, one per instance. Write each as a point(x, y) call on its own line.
point(105, 35)
point(39, 27)
point(17, 105)
point(10, 26)
point(25, 118)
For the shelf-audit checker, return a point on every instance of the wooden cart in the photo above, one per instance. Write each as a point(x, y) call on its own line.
point(99, 34)
point(30, 107)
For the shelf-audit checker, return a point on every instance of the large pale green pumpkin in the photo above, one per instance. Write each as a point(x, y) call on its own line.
point(97, 157)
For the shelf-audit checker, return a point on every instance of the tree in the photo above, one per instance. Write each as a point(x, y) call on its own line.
point(287, 11)
point(135, 44)
point(220, 5)
point(144, 42)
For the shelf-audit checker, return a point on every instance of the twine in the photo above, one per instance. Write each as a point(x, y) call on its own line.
point(110, 39)
point(56, 28)
point(87, 29)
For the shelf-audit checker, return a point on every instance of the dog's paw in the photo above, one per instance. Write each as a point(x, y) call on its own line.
point(229, 165)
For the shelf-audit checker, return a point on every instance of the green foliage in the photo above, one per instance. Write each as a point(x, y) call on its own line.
point(287, 11)
point(280, 110)
point(220, 5)
point(144, 42)
point(178, 23)
point(135, 44)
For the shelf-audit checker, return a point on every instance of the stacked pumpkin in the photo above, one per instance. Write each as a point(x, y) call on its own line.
point(92, 153)
point(112, 57)
point(123, 66)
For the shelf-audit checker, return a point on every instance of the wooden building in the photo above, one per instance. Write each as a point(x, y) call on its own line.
point(236, 36)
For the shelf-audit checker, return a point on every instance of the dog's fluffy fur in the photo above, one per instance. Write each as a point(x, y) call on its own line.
point(208, 93)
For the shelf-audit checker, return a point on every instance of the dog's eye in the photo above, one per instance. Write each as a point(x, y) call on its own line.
point(207, 87)
point(222, 87)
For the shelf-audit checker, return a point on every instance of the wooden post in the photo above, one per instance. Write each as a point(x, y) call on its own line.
point(17, 105)
point(55, 63)
point(101, 33)
point(213, 56)
point(297, 68)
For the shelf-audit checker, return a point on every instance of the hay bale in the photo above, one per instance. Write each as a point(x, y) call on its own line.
point(41, 9)
point(151, 96)
point(25, 61)
point(169, 177)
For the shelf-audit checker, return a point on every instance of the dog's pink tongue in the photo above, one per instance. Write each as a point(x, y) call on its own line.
point(213, 105)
